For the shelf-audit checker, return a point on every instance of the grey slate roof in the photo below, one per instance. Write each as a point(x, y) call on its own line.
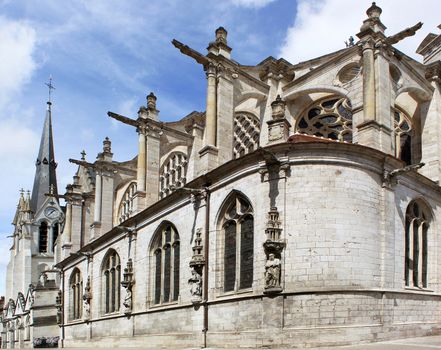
point(45, 174)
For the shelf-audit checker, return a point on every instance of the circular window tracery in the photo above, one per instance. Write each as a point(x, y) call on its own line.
point(349, 73)
point(330, 118)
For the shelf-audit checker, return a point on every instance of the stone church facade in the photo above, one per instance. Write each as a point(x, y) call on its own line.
point(300, 208)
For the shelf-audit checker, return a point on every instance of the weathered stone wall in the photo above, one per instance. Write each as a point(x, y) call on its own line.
point(342, 268)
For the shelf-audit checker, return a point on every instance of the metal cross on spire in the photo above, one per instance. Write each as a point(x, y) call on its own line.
point(50, 86)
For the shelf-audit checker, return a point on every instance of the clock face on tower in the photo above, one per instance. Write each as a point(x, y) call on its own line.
point(51, 212)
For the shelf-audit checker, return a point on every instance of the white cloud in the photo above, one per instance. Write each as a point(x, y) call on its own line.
point(322, 26)
point(252, 3)
point(17, 151)
point(17, 45)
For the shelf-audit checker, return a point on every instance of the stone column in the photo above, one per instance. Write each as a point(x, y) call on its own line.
point(225, 114)
point(141, 160)
point(210, 127)
point(209, 152)
point(98, 195)
point(107, 190)
point(152, 165)
point(368, 82)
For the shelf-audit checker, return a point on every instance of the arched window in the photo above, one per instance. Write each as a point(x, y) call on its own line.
point(403, 136)
point(111, 273)
point(166, 257)
point(76, 295)
point(330, 118)
point(416, 245)
point(42, 237)
point(237, 224)
point(126, 206)
point(246, 134)
point(173, 173)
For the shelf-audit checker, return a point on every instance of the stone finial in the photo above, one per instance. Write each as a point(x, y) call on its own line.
point(83, 155)
point(221, 35)
point(107, 145)
point(374, 11)
point(151, 101)
point(278, 108)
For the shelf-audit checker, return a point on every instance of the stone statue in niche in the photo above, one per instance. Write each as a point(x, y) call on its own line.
point(59, 306)
point(127, 283)
point(272, 272)
point(196, 286)
point(86, 298)
point(128, 300)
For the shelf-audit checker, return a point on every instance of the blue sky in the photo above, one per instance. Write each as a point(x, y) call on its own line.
point(108, 55)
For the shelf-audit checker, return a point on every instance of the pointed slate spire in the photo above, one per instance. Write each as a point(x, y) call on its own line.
point(45, 175)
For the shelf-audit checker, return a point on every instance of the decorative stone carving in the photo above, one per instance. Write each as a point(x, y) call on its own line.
point(127, 283)
point(278, 108)
point(278, 127)
point(273, 247)
point(59, 307)
point(197, 263)
point(31, 293)
point(87, 296)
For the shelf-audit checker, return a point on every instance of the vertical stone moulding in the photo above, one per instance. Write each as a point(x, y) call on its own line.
point(197, 263)
point(273, 247)
point(127, 283)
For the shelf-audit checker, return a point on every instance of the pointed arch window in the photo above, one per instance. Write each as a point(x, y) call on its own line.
point(237, 226)
point(330, 118)
point(43, 237)
point(111, 274)
point(126, 205)
point(403, 132)
point(166, 259)
point(416, 245)
point(173, 173)
point(246, 133)
point(76, 295)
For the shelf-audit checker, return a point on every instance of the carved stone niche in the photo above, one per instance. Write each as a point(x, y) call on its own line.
point(273, 247)
point(197, 263)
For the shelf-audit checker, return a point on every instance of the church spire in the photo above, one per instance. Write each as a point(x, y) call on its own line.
point(45, 175)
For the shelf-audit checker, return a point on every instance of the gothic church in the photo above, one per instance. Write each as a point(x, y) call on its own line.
point(301, 208)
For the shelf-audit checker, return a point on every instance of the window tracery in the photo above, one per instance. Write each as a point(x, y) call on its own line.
point(246, 134)
point(112, 282)
point(403, 132)
point(166, 259)
point(126, 206)
point(76, 295)
point(416, 245)
point(238, 251)
point(330, 118)
point(172, 174)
